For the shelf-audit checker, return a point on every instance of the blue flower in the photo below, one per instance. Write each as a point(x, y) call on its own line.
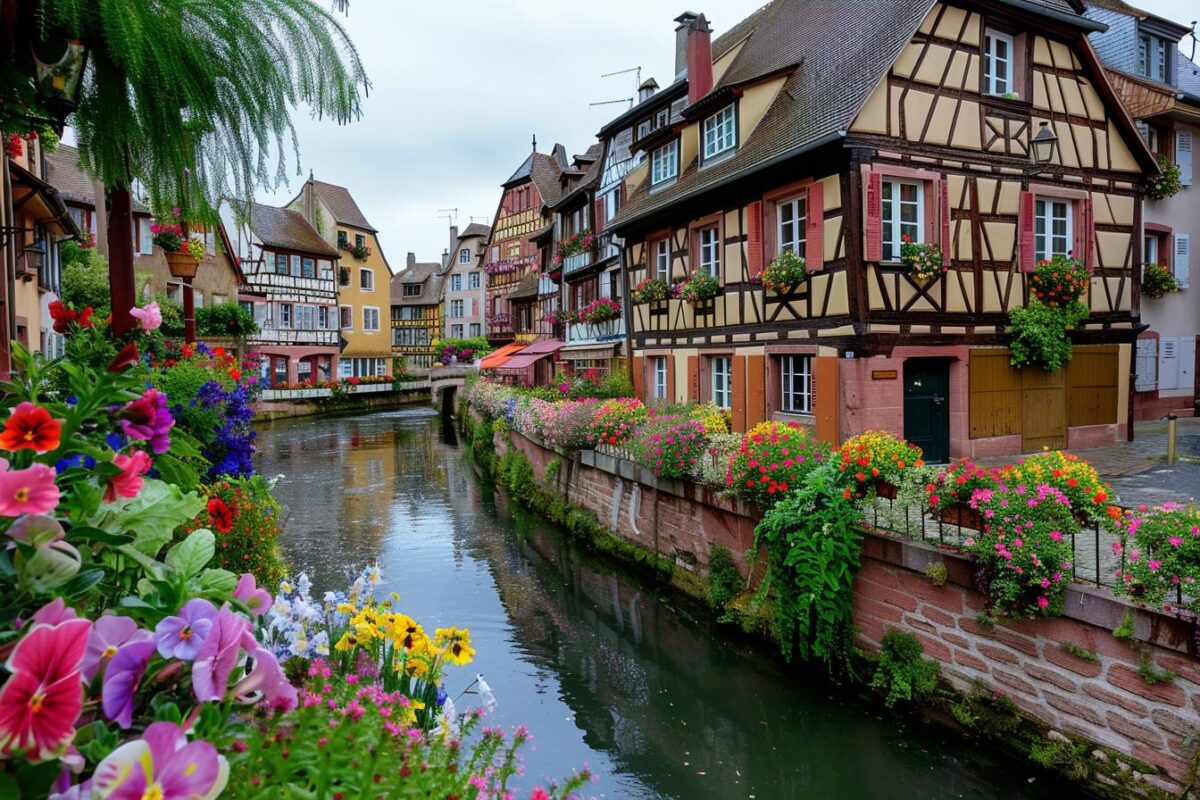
point(64, 464)
point(72, 401)
point(115, 441)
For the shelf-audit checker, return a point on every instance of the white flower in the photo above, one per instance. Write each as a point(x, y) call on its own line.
point(485, 693)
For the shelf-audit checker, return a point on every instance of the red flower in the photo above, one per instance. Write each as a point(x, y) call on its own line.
point(124, 359)
point(64, 317)
point(31, 427)
point(220, 515)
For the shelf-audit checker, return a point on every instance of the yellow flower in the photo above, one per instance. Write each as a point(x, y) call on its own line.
point(347, 642)
point(456, 644)
point(414, 667)
point(347, 609)
point(409, 634)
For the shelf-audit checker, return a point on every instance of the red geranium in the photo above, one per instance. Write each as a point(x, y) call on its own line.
point(220, 515)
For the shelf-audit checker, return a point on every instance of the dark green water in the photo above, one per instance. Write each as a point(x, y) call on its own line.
point(601, 671)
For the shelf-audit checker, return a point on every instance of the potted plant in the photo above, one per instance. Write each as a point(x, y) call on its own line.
point(1157, 281)
point(575, 244)
point(784, 274)
point(923, 261)
point(651, 290)
point(699, 289)
point(183, 254)
point(601, 311)
point(1059, 281)
point(1167, 184)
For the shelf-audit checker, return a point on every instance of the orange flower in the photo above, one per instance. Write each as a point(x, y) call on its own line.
point(30, 427)
point(1113, 512)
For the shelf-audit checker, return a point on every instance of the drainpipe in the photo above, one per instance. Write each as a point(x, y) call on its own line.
point(9, 324)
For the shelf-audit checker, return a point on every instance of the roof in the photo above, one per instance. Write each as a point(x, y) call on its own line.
point(475, 229)
point(590, 178)
point(545, 172)
point(287, 230)
point(833, 53)
point(526, 289)
point(1121, 7)
point(341, 204)
point(65, 174)
point(532, 354)
point(427, 274)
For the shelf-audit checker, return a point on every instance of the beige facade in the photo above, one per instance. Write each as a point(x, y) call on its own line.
point(464, 283)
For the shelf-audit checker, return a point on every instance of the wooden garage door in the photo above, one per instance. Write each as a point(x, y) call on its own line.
point(995, 395)
point(1043, 409)
point(1092, 385)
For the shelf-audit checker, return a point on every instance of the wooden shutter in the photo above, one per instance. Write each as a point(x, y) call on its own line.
point(754, 238)
point(756, 390)
point(1085, 231)
point(599, 216)
point(942, 187)
point(1182, 255)
point(670, 379)
point(814, 223)
point(1168, 363)
point(873, 216)
point(639, 377)
point(826, 398)
point(693, 366)
point(1026, 255)
point(1145, 369)
point(1183, 155)
point(737, 378)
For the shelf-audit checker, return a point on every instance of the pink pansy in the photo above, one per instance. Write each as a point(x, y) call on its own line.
point(161, 765)
point(148, 316)
point(267, 677)
point(128, 482)
point(108, 635)
point(257, 600)
point(27, 491)
point(43, 697)
point(219, 654)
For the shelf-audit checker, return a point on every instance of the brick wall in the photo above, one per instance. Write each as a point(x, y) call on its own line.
point(1105, 700)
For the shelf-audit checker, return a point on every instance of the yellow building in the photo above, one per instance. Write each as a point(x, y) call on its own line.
point(363, 280)
point(416, 300)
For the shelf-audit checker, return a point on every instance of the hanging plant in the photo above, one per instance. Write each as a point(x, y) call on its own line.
point(923, 261)
point(576, 244)
point(651, 290)
point(699, 289)
point(601, 310)
point(1157, 281)
point(1059, 281)
point(1041, 333)
point(1168, 183)
point(784, 274)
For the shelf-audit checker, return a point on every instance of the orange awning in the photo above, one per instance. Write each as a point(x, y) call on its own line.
point(498, 357)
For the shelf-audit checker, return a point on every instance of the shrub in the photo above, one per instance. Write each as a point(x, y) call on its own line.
point(671, 446)
point(878, 456)
point(1041, 333)
point(616, 421)
point(1157, 281)
point(1068, 473)
point(225, 319)
point(1058, 282)
point(1024, 549)
point(568, 427)
point(1160, 554)
point(650, 290)
point(957, 483)
point(902, 672)
point(715, 464)
point(724, 580)
point(247, 521)
point(85, 278)
point(1168, 183)
point(773, 458)
point(715, 419)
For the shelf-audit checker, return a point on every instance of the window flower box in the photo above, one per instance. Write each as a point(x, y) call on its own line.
point(600, 311)
point(785, 274)
point(699, 290)
point(651, 290)
point(922, 261)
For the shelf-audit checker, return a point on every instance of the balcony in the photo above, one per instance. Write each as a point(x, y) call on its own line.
point(277, 284)
point(612, 330)
point(298, 337)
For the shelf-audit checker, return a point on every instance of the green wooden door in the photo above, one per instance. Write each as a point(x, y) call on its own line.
point(927, 407)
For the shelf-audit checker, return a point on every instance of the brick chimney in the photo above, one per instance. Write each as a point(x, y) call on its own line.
point(699, 59)
point(412, 260)
point(681, 40)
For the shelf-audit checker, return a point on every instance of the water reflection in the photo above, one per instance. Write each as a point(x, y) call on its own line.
point(601, 670)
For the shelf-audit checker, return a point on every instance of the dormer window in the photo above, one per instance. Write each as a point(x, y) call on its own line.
point(720, 132)
point(664, 163)
point(412, 289)
point(997, 63)
point(1152, 57)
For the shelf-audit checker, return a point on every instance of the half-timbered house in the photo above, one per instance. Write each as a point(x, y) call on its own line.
point(290, 283)
point(834, 129)
point(416, 301)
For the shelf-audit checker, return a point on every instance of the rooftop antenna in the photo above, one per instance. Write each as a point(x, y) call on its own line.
point(485, 219)
point(1193, 35)
point(612, 102)
point(638, 70)
point(448, 214)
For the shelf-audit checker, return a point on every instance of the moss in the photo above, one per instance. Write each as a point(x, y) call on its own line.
point(903, 672)
point(724, 580)
point(936, 572)
point(1079, 652)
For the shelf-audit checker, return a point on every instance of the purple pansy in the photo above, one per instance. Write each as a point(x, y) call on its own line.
point(218, 655)
point(108, 636)
point(148, 419)
point(162, 764)
point(181, 636)
point(121, 680)
point(267, 677)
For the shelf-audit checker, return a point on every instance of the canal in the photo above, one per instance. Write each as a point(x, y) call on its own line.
point(602, 671)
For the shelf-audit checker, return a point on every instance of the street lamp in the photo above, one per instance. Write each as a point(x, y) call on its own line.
point(59, 64)
point(1042, 147)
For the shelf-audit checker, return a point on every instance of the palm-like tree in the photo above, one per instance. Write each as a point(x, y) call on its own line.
point(193, 98)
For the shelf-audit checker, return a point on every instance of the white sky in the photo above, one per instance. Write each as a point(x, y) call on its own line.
point(459, 89)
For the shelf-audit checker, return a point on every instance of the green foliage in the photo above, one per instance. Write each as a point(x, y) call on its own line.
point(85, 278)
point(1059, 281)
point(1158, 282)
point(1124, 629)
point(785, 273)
point(1081, 653)
point(552, 472)
point(1041, 333)
point(247, 521)
point(616, 384)
point(699, 289)
point(172, 316)
point(225, 319)
point(987, 712)
point(813, 539)
point(1072, 758)
point(724, 580)
point(1168, 183)
point(1152, 674)
point(476, 344)
point(936, 572)
point(195, 99)
point(902, 672)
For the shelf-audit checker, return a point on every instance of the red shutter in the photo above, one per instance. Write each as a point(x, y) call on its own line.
point(814, 223)
point(598, 218)
point(943, 190)
point(873, 217)
point(1085, 231)
point(754, 238)
point(670, 379)
point(693, 365)
point(1026, 257)
point(756, 390)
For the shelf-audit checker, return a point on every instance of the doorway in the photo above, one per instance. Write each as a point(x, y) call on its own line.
point(927, 407)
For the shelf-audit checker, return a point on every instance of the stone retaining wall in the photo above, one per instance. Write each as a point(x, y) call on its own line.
point(1100, 696)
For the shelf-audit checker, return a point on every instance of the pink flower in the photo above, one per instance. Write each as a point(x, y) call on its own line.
point(218, 656)
point(148, 316)
point(1043, 602)
point(162, 764)
point(41, 701)
point(129, 482)
point(257, 600)
point(108, 635)
point(27, 491)
point(267, 677)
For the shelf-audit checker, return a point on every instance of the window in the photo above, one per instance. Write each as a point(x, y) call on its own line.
point(360, 241)
point(146, 237)
point(720, 132)
point(306, 318)
point(308, 268)
point(323, 317)
point(281, 264)
point(198, 298)
point(346, 318)
point(1052, 229)
point(280, 367)
point(792, 217)
point(1150, 249)
point(1152, 57)
point(662, 260)
point(660, 377)
point(412, 289)
point(476, 329)
point(370, 318)
point(456, 331)
point(664, 163)
point(472, 280)
point(464, 256)
point(456, 308)
point(296, 266)
point(366, 280)
point(997, 63)
point(710, 250)
point(343, 240)
point(412, 312)
point(456, 283)
point(612, 204)
point(285, 315)
point(721, 369)
point(795, 374)
point(643, 129)
point(903, 214)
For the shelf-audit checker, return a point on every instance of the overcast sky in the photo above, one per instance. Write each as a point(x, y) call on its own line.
point(460, 88)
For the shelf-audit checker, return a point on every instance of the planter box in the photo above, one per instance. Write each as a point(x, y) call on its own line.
point(962, 516)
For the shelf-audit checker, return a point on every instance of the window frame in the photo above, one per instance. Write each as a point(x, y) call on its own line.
point(473, 281)
point(716, 395)
point(799, 220)
point(896, 221)
point(990, 80)
point(368, 328)
point(364, 272)
point(281, 259)
point(308, 267)
point(657, 179)
point(1045, 202)
point(456, 281)
point(660, 381)
point(464, 256)
point(346, 318)
point(411, 290)
point(662, 259)
point(285, 315)
point(721, 137)
point(788, 375)
point(713, 268)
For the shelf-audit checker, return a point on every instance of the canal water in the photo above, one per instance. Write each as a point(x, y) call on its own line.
point(602, 671)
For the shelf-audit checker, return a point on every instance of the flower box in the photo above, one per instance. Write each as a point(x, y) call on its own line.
point(962, 516)
point(182, 264)
point(885, 490)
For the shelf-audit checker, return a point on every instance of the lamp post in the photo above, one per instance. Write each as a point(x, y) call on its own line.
point(1041, 148)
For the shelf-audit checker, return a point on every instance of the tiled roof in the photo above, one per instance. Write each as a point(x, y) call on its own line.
point(522, 172)
point(475, 229)
point(64, 173)
point(545, 172)
point(1189, 74)
point(589, 179)
point(287, 230)
point(526, 289)
point(424, 273)
point(1141, 97)
point(341, 204)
